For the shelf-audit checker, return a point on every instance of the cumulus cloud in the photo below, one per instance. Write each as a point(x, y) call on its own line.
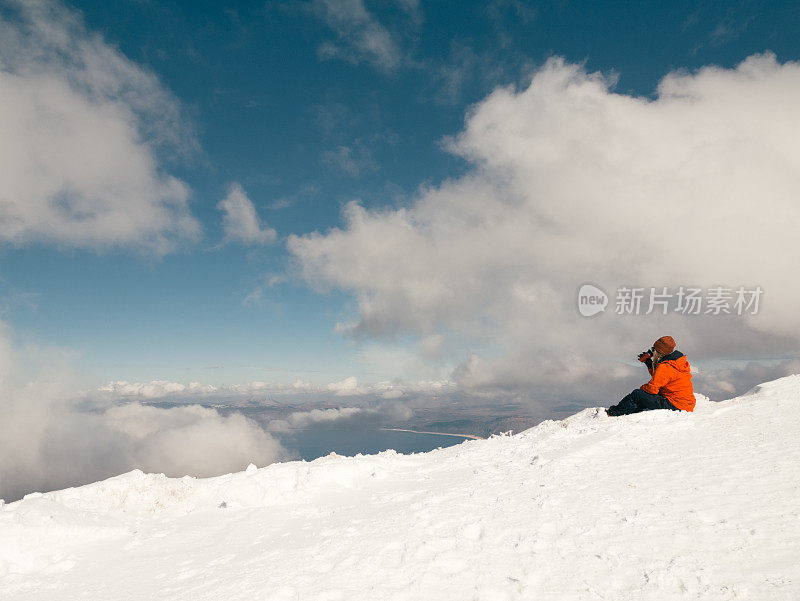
point(572, 182)
point(81, 127)
point(49, 439)
point(344, 387)
point(240, 220)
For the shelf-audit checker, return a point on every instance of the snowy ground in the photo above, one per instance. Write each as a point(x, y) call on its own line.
point(660, 505)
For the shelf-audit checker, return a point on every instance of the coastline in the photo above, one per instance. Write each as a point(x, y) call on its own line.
point(468, 436)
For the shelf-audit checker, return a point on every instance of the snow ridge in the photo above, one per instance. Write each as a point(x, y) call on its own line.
point(659, 505)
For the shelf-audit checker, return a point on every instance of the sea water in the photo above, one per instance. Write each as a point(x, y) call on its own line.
point(310, 444)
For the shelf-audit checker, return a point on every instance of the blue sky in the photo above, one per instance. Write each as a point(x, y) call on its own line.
point(308, 106)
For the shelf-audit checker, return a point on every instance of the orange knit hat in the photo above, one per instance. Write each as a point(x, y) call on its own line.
point(664, 345)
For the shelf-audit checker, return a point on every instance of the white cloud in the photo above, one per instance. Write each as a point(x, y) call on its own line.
point(386, 412)
point(348, 386)
point(80, 131)
point(306, 419)
point(189, 440)
point(360, 36)
point(240, 220)
point(572, 182)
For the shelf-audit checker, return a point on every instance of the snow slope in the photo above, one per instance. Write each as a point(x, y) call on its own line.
point(660, 505)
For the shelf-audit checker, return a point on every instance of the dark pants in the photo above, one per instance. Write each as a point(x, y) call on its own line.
point(639, 400)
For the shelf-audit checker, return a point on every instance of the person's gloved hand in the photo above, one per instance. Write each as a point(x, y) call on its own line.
point(647, 358)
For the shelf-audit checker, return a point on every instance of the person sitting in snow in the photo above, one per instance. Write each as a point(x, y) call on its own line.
point(670, 385)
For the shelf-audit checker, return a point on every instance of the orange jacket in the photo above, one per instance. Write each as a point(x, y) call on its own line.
point(672, 379)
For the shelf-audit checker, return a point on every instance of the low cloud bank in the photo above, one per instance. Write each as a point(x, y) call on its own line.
point(47, 444)
point(387, 412)
point(48, 440)
point(348, 387)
